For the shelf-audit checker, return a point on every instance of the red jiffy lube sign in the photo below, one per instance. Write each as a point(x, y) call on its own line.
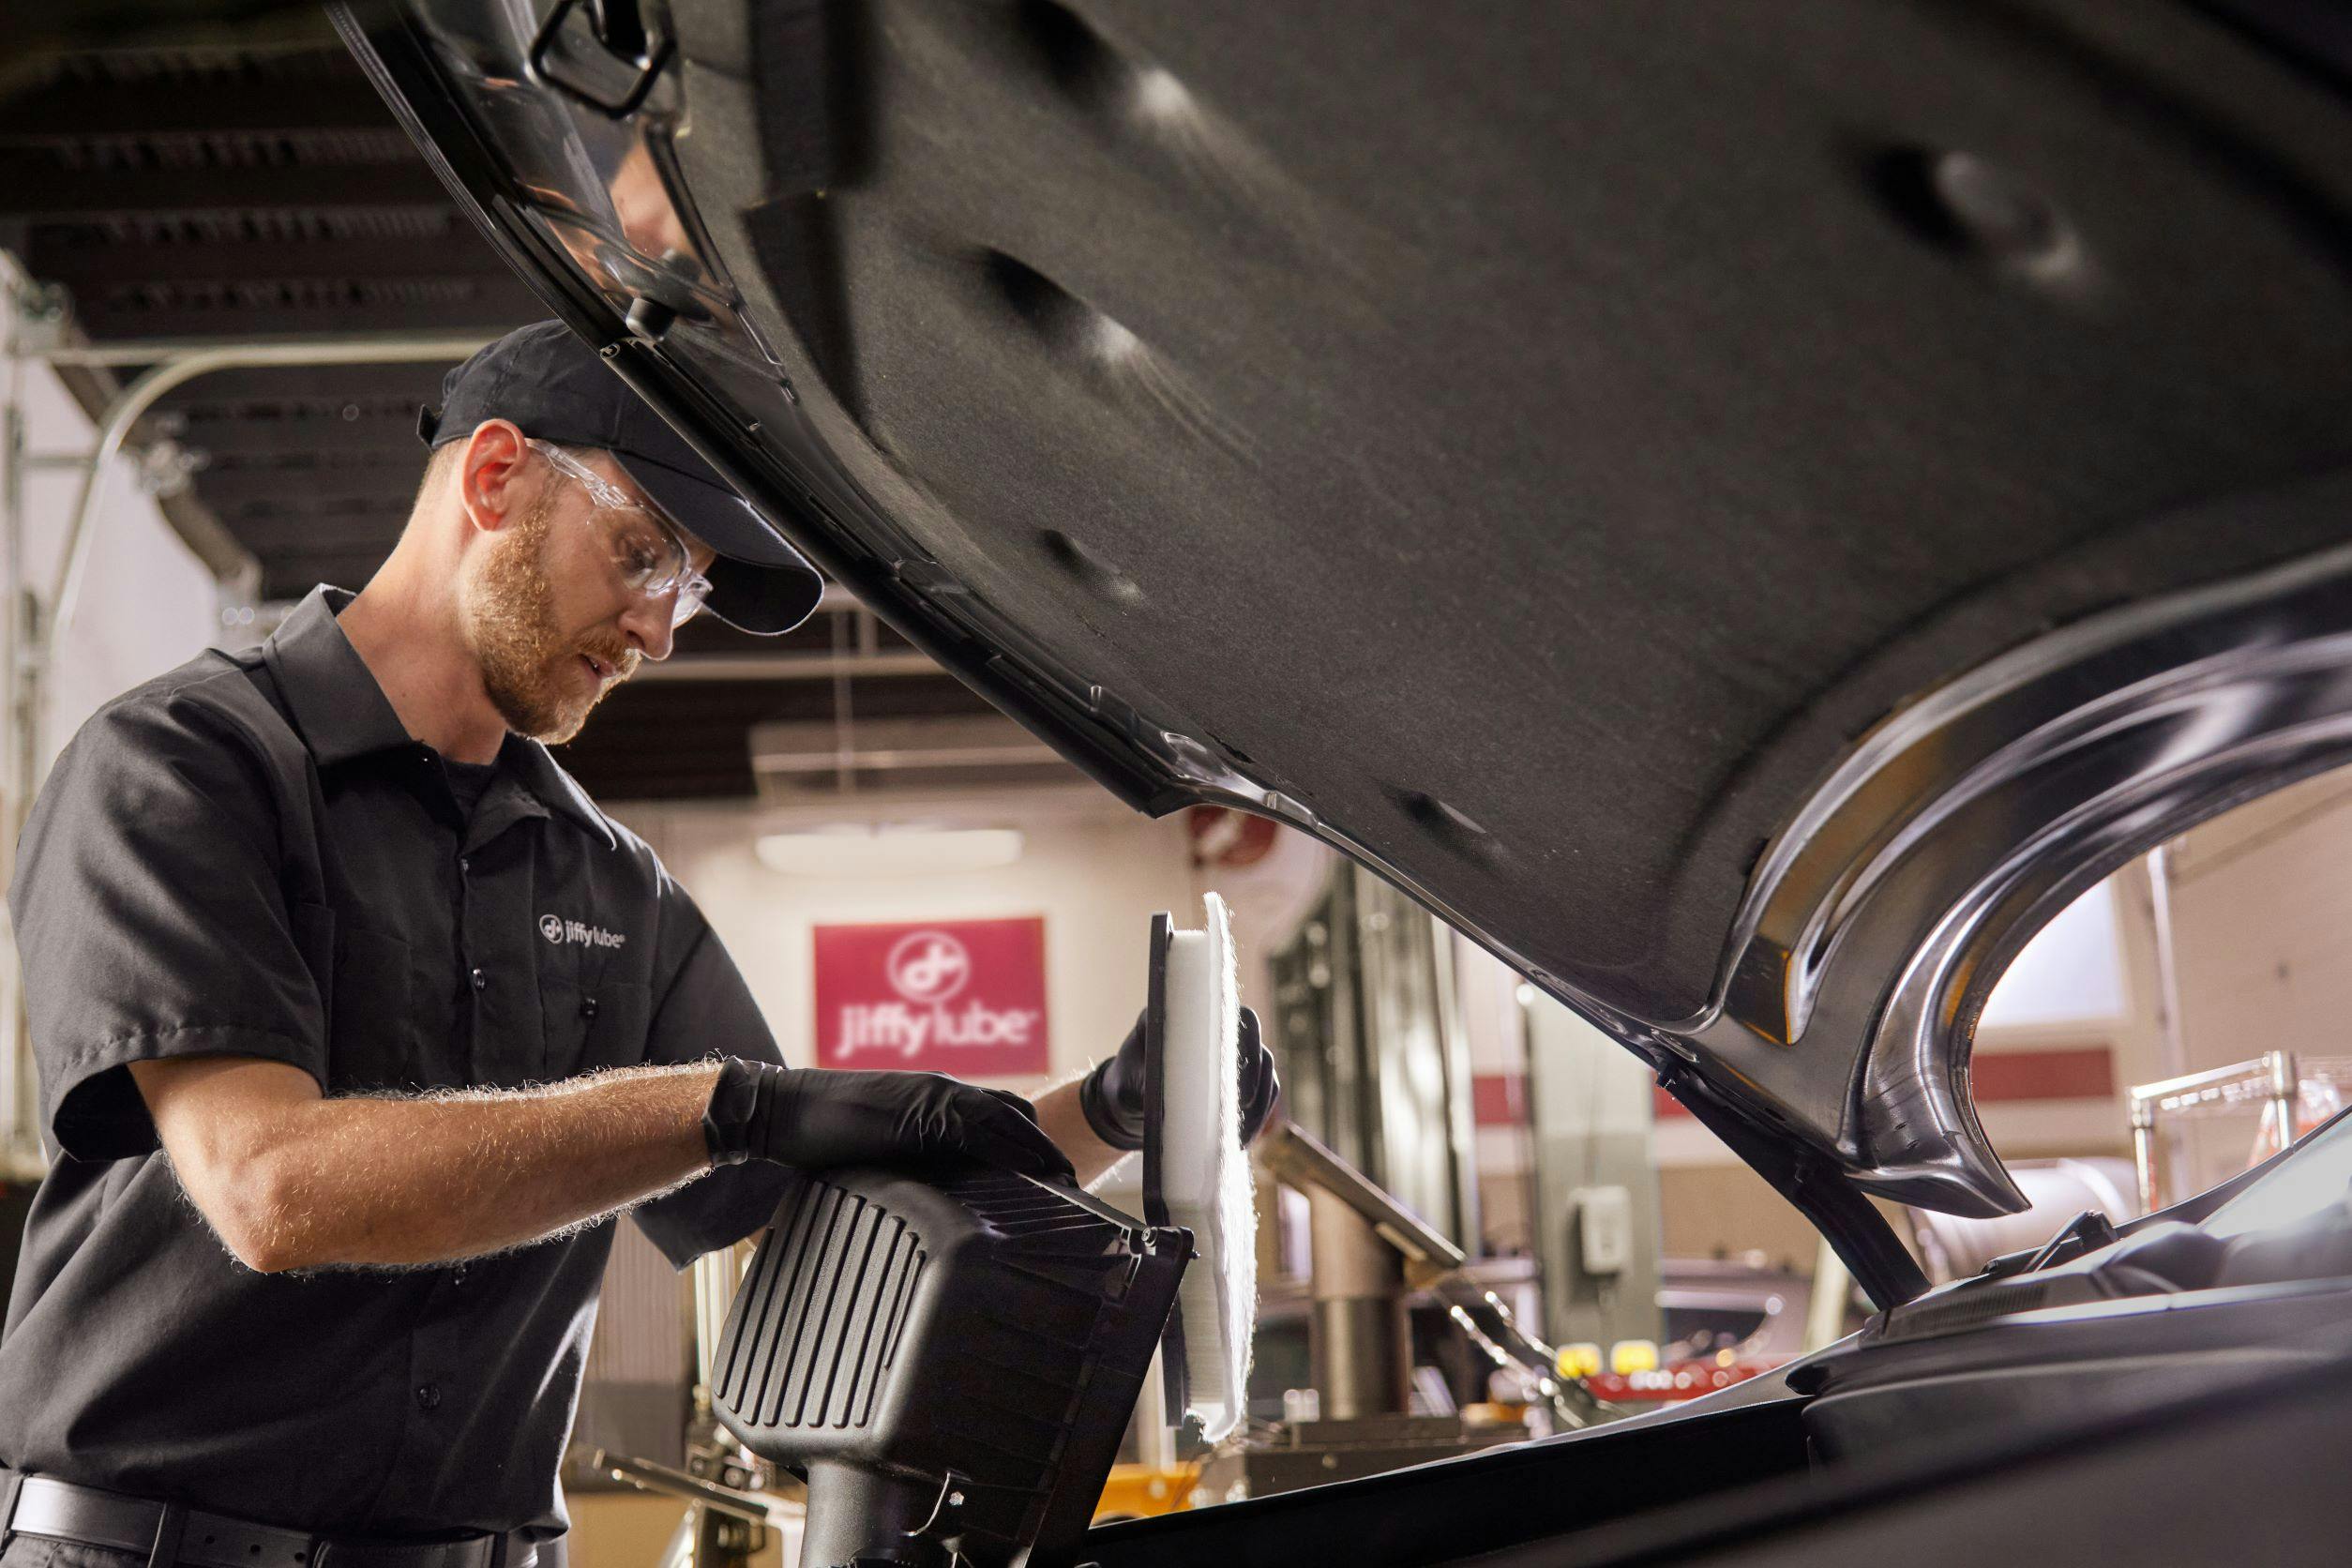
point(966, 997)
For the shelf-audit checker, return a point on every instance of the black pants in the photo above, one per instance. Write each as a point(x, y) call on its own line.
point(39, 1552)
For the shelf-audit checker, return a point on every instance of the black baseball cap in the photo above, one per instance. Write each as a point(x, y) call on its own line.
point(557, 389)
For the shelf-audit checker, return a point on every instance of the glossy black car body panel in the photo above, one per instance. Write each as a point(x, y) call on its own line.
point(2016, 1407)
point(2200, 1331)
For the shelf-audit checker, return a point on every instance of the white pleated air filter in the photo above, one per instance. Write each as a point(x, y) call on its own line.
point(1196, 1173)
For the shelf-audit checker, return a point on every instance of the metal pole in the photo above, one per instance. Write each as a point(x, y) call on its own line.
point(2287, 1091)
point(2143, 1150)
point(23, 1157)
point(362, 348)
point(34, 314)
point(1357, 1337)
point(1453, 1045)
point(834, 667)
point(2171, 1030)
point(174, 369)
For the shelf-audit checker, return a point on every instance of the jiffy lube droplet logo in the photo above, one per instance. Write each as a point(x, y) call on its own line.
point(928, 967)
point(562, 931)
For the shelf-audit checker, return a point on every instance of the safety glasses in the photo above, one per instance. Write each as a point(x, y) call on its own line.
point(646, 550)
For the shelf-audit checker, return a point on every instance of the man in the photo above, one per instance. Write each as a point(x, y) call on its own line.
point(357, 1022)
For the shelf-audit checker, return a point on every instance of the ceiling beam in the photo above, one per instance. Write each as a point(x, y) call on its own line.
point(789, 667)
point(488, 305)
point(86, 264)
point(66, 108)
point(275, 526)
point(229, 437)
point(232, 387)
point(39, 186)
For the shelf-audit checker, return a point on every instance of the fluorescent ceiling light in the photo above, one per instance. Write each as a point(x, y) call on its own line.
point(888, 851)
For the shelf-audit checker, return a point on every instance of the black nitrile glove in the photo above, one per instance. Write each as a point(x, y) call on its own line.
point(819, 1116)
point(1112, 1094)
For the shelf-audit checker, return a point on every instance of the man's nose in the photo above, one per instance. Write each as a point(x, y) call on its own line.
point(646, 625)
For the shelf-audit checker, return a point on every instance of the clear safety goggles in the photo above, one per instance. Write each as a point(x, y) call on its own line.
point(646, 550)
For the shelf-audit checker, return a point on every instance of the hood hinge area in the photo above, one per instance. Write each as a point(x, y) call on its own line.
point(1822, 1192)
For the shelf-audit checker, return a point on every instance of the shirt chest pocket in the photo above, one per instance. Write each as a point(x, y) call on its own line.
point(592, 1023)
point(369, 1023)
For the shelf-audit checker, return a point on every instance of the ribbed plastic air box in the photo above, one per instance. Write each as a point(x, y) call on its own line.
point(951, 1366)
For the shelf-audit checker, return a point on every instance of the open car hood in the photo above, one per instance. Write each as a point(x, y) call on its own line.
point(1746, 515)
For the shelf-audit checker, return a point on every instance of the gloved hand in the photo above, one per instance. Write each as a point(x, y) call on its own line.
point(817, 1117)
point(1112, 1094)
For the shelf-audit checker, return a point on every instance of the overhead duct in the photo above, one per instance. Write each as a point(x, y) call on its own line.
point(819, 763)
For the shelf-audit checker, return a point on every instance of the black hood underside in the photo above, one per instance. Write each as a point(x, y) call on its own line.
point(1540, 437)
point(1528, 445)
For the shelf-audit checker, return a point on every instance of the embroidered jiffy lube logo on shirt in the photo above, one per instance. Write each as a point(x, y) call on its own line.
point(559, 930)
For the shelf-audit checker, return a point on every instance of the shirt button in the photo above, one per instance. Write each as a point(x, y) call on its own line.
point(456, 1275)
point(464, 863)
point(480, 979)
point(427, 1396)
point(588, 1007)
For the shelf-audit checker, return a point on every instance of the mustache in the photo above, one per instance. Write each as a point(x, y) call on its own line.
point(618, 656)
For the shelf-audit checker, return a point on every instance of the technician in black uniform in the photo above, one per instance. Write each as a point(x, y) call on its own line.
point(319, 946)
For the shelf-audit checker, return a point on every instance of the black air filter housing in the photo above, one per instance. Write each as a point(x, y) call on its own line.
point(951, 1364)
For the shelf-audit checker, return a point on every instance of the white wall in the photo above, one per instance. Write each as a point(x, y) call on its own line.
point(147, 603)
point(2262, 904)
point(1096, 884)
point(2072, 971)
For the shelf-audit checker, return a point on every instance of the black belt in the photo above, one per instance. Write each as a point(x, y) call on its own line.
point(168, 1534)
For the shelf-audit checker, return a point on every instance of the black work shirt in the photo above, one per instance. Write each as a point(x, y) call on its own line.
point(249, 857)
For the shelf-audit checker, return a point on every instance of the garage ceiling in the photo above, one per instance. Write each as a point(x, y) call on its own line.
point(210, 191)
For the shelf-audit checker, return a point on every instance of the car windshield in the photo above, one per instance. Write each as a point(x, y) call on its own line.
point(2318, 1175)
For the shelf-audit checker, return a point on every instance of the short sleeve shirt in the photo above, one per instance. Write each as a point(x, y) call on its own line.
point(250, 857)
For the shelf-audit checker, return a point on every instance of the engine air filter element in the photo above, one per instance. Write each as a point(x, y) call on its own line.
point(950, 1365)
point(1196, 1173)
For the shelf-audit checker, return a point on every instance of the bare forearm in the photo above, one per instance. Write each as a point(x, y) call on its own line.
point(290, 1179)
point(394, 1181)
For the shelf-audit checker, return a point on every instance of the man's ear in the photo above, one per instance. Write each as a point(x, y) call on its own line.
point(494, 476)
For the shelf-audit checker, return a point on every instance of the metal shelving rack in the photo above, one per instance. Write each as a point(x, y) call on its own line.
point(2274, 1086)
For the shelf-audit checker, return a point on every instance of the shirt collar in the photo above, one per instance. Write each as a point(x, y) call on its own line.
point(341, 713)
point(338, 706)
point(528, 760)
